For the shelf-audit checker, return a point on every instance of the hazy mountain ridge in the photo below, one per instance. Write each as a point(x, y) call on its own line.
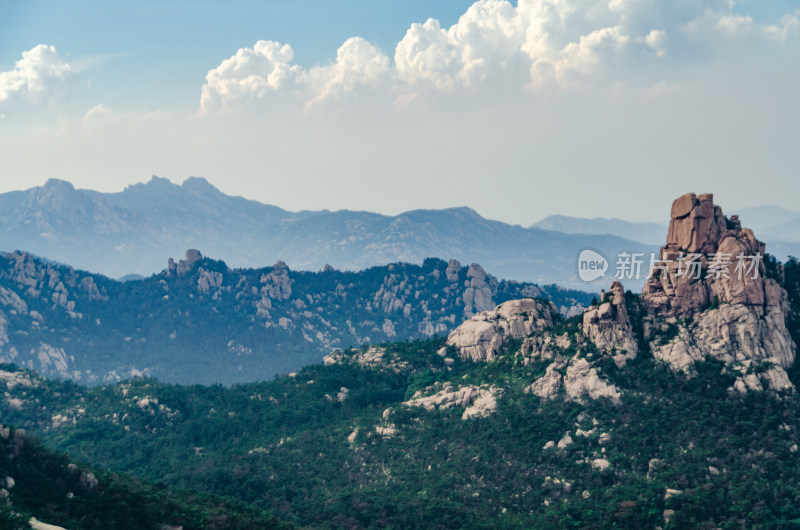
point(200, 321)
point(131, 231)
point(779, 227)
point(649, 233)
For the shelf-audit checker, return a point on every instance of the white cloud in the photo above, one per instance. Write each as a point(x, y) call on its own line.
point(357, 63)
point(41, 77)
point(723, 21)
point(657, 41)
point(735, 24)
point(265, 69)
point(585, 55)
point(95, 115)
point(249, 75)
point(788, 26)
point(535, 44)
point(427, 55)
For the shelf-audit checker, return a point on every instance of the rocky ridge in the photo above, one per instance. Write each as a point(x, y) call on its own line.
point(729, 309)
point(134, 230)
point(482, 337)
point(570, 370)
point(245, 323)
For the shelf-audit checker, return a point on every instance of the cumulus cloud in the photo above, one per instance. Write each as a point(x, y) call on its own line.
point(250, 74)
point(657, 41)
point(485, 41)
point(536, 44)
point(357, 63)
point(41, 77)
point(266, 69)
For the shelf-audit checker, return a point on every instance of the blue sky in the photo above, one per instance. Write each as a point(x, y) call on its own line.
point(517, 110)
point(162, 50)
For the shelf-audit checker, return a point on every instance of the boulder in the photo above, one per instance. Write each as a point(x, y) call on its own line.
point(479, 402)
point(577, 377)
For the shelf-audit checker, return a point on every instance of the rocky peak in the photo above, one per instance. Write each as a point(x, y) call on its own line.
point(696, 224)
point(608, 325)
point(452, 270)
point(479, 294)
point(277, 284)
point(708, 259)
point(709, 297)
point(184, 265)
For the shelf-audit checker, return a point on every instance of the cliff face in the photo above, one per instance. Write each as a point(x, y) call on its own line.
point(710, 297)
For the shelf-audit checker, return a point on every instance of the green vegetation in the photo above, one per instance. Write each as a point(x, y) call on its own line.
point(46, 485)
point(282, 446)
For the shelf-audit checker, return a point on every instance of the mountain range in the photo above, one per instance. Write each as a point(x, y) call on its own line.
point(135, 230)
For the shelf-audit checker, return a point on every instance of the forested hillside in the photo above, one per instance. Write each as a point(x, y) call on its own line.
point(200, 321)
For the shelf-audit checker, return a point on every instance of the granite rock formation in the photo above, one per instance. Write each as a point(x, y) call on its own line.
point(608, 325)
point(482, 337)
point(709, 296)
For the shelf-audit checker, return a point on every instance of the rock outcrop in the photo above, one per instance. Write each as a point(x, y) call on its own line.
point(482, 337)
point(708, 260)
point(184, 265)
point(608, 326)
point(709, 297)
point(478, 402)
point(277, 284)
point(478, 296)
point(373, 357)
point(577, 378)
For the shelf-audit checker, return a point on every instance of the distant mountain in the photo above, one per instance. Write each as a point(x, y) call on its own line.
point(650, 233)
point(761, 218)
point(778, 227)
point(131, 232)
point(788, 231)
point(199, 321)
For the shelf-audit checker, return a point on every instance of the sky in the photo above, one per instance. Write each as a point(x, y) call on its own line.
point(519, 110)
